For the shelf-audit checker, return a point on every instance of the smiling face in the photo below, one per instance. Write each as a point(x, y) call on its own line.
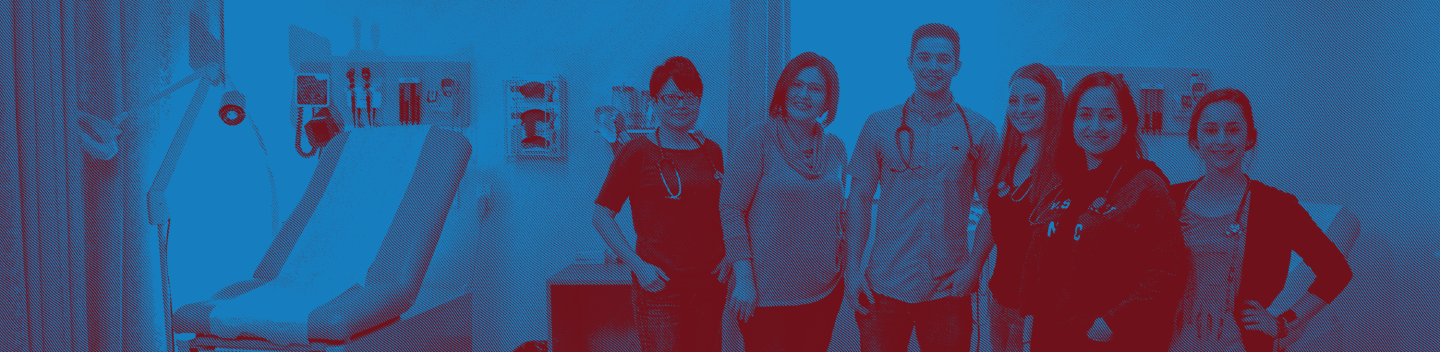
point(1098, 125)
point(1221, 135)
point(933, 63)
point(805, 99)
point(676, 109)
point(1027, 105)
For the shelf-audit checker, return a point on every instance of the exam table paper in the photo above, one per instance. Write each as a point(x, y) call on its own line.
point(338, 244)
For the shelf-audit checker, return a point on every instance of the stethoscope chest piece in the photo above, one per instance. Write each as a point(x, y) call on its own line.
point(1235, 230)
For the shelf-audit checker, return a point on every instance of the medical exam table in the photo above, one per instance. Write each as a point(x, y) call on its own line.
point(351, 258)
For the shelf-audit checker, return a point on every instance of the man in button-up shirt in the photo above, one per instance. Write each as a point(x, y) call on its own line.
point(919, 269)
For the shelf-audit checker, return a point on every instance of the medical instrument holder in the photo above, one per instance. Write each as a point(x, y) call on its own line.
point(553, 128)
point(310, 52)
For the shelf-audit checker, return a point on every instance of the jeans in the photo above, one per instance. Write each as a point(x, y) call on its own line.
point(940, 325)
point(685, 316)
point(804, 327)
point(1007, 328)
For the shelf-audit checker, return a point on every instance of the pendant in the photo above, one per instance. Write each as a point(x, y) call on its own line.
point(1004, 190)
point(1099, 202)
point(1065, 204)
point(1078, 227)
point(1052, 229)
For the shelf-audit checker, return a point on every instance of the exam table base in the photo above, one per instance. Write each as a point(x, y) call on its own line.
point(443, 328)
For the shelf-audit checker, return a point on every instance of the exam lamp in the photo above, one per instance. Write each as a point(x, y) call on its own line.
point(207, 58)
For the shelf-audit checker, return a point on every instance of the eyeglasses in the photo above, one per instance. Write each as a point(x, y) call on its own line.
point(675, 99)
point(811, 87)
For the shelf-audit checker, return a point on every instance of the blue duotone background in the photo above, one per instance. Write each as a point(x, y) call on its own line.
point(1343, 94)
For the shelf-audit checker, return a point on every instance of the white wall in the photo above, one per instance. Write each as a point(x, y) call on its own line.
point(533, 231)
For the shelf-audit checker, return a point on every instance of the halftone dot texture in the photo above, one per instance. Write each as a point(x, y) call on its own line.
point(357, 258)
point(1341, 91)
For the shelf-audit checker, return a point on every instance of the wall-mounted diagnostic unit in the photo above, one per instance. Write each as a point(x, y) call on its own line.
point(535, 117)
point(1164, 96)
point(385, 90)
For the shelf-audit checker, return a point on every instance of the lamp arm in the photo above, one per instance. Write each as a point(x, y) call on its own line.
point(155, 202)
point(210, 71)
point(158, 209)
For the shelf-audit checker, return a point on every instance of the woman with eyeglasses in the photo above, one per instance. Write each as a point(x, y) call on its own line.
point(1236, 225)
point(1025, 173)
point(781, 210)
point(672, 180)
point(1108, 260)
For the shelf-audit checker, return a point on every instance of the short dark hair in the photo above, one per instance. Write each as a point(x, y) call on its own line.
point(679, 68)
point(800, 63)
point(1227, 94)
point(1070, 159)
point(936, 30)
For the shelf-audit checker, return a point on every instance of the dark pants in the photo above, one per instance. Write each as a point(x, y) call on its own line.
point(940, 325)
point(685, 316)
point(1051, 333)
point(804, 327)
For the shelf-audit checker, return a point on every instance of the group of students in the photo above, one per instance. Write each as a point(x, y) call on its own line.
point(1096, 250)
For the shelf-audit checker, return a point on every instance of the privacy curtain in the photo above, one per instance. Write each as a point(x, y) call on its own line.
point(77, 265)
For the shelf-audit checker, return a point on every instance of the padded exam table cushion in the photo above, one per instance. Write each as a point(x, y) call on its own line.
point(355, 250)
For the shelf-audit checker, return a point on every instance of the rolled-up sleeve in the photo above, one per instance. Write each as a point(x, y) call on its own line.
point(747, 167)
point(865, 160)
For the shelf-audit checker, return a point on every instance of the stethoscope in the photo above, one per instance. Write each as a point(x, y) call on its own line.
point(1238, 226)
point(1098, 206)
point(679, 185)
point(905, 127)
point(1235, 230)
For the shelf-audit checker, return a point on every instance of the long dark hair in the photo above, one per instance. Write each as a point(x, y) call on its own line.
point(1069, 158)
point(806, 60)
point(1011, 148)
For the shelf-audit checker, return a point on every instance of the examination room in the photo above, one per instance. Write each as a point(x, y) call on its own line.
point(406, 175)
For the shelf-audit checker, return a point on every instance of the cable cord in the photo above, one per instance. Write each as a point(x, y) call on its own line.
point(299, 129)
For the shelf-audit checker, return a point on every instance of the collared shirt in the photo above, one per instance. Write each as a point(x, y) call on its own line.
point(920, 230)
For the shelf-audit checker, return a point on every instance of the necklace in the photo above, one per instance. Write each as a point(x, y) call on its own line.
point(1235, 228)
point(814, 144)
point(680, 186)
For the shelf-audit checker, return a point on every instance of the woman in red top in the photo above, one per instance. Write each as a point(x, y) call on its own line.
point(1235, 225)
point(1106, 263)
point(1025, 173)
